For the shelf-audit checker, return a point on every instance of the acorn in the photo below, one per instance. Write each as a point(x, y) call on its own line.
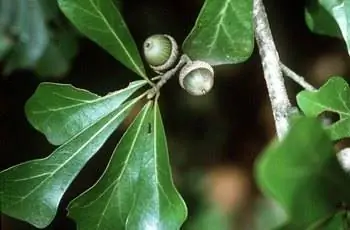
point(161, 52)
point(197, 78)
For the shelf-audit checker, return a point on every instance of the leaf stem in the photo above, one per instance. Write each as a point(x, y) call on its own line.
point(297, 78)
point(280, 103)
point(163, 78)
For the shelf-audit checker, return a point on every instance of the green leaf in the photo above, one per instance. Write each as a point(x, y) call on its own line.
point(320, 21)
point(7, 12)
point(56, 61)
point(303, 174)
point(60, 111)
point(67, 42)
point(136, 191)
point(31, 191)
point(210, 217)
point(119, 4)
point(102, 22)
point(29, 26)
point(223, 32)
point(52, 63)
point(50, 9)
point(340, 220)
point(336, 221)
point(334, 96)
point(268, 214)
point(340, 11)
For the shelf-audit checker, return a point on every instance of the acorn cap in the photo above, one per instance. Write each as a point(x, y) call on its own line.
point(197, 78)
point(161, 52)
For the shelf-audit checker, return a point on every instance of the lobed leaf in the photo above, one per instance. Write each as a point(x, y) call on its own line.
point(60, 111)
point(223, 32)
point(136, 190)
point(303, 174)
point(31, 191)
point(334, 96)
point(102, 22)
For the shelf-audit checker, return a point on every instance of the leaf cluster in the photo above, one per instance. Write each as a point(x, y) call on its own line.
point(136, 190)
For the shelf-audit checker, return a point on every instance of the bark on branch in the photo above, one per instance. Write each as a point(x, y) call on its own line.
point(272, 71)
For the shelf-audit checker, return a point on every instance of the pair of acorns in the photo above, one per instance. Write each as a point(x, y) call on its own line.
point(162, 54)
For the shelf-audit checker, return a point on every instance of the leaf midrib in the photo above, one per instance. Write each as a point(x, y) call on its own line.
point(325, 107)
point(115, 182)
point(57, 109)
point(217, 31)
point(222, 15)
point(159, 185)
point(78, 151)
point(116, 36)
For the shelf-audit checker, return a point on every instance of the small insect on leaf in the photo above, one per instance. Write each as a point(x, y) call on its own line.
point(149, 130)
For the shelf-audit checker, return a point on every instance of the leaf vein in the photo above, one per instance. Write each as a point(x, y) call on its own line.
point(116, 36)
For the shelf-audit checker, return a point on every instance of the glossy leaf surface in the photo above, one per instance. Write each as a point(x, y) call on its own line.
point(31, 191)
point(334, 96)
point(60, 111)
point(223, 32)
point(303, 174)
point(101, 21)
point(136, 190)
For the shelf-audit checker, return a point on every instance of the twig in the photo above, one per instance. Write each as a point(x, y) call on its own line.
point(280, 103)
point(163, 78)
point(272, 71)
point(297, 78)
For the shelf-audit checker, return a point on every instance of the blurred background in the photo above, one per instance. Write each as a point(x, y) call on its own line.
point(213, 140)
